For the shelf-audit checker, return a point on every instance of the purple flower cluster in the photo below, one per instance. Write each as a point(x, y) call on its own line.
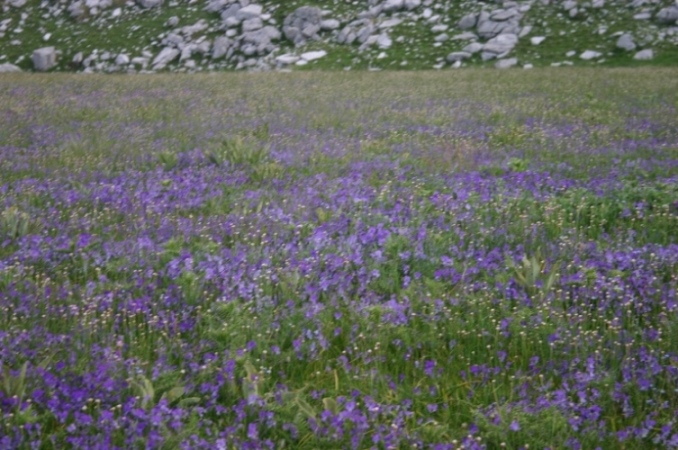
point(376, 291)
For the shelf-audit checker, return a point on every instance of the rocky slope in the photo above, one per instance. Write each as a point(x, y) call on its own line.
point(198, 35)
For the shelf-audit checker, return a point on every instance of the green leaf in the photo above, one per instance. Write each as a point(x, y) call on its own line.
point(174, 394)
point(331, 405)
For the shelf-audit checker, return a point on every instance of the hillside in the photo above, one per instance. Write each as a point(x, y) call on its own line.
point(197, 35)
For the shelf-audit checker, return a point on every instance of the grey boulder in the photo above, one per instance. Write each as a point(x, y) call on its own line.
point(467, 22)
point(667, 15)
point(501, 44)
point(644, 55)
point(7, 67)
point(221, 47)
point(457, 56)
point(473, 48)
point(249, 12)
point(506, 63)
point(393, 5)
point(149, 3)
point(625, 42)
point(44, 58)
point(302, 24)
point(166, 56)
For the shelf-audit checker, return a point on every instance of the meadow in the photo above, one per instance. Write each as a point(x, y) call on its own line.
point(431, 260)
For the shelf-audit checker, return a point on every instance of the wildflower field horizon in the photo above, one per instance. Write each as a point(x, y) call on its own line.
point(476, 260)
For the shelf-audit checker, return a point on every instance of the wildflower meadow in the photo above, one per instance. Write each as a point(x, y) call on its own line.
point(415, 260)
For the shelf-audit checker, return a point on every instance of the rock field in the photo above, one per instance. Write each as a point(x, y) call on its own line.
point(198, 35)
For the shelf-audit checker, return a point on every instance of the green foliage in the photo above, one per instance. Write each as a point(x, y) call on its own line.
point(15, 223)
point(517, 165)
point(532, 274)
point(168, 160)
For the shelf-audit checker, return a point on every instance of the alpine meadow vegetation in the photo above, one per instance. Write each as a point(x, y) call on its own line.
point(433, 260)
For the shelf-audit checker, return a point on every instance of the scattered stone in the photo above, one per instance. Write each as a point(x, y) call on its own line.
point(393, 5)
point(384, 41)
point(121, 60)
point(77, 58)
point(644, 55)
point(501, 44)
point(501, 15)
point(166, 56)
point(329, 24)
point(457, 56)
point(412, 4)
point(473, 48)
point(569, 4)
point(528, 66)
point(249, 12)
point(467, 22)
point(7, 67)
point(312, 56)
point(590, 54)
point(303, 24)
point(667, 15)
point(76, 9)
point(150, 3)
point(287, 59)
point(222, 46)
point(466, 36)
point(172, 22)
point(252, 24)
point(441, 38)
point(506, 63)
point(44, 58)
point(537, 40)
point(625, 42)
point(642, 16)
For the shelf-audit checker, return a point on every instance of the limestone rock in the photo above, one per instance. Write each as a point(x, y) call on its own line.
point(412, 4)
point(231, 12)
point(644, 55)
point(667, 15)
point(506, 63)
point(312, 56)
point(44, 58)
point(536, 40)
point(590, 54)
point(121, 60)
point(489, 28)
point(216, 5)
point(625, 42)
point(329, 24)
point(393, 5)
point(501, 15)
point(150, 3)
point(252, 24)
point(166, 56)
point(76, 9)
point(17, 3)
point(287, 59)
point(457, 56)
point(249, 12)
point(501, 44)
point(467, 22)
point(473, 48)
point(303, 24)
point(7, 67)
